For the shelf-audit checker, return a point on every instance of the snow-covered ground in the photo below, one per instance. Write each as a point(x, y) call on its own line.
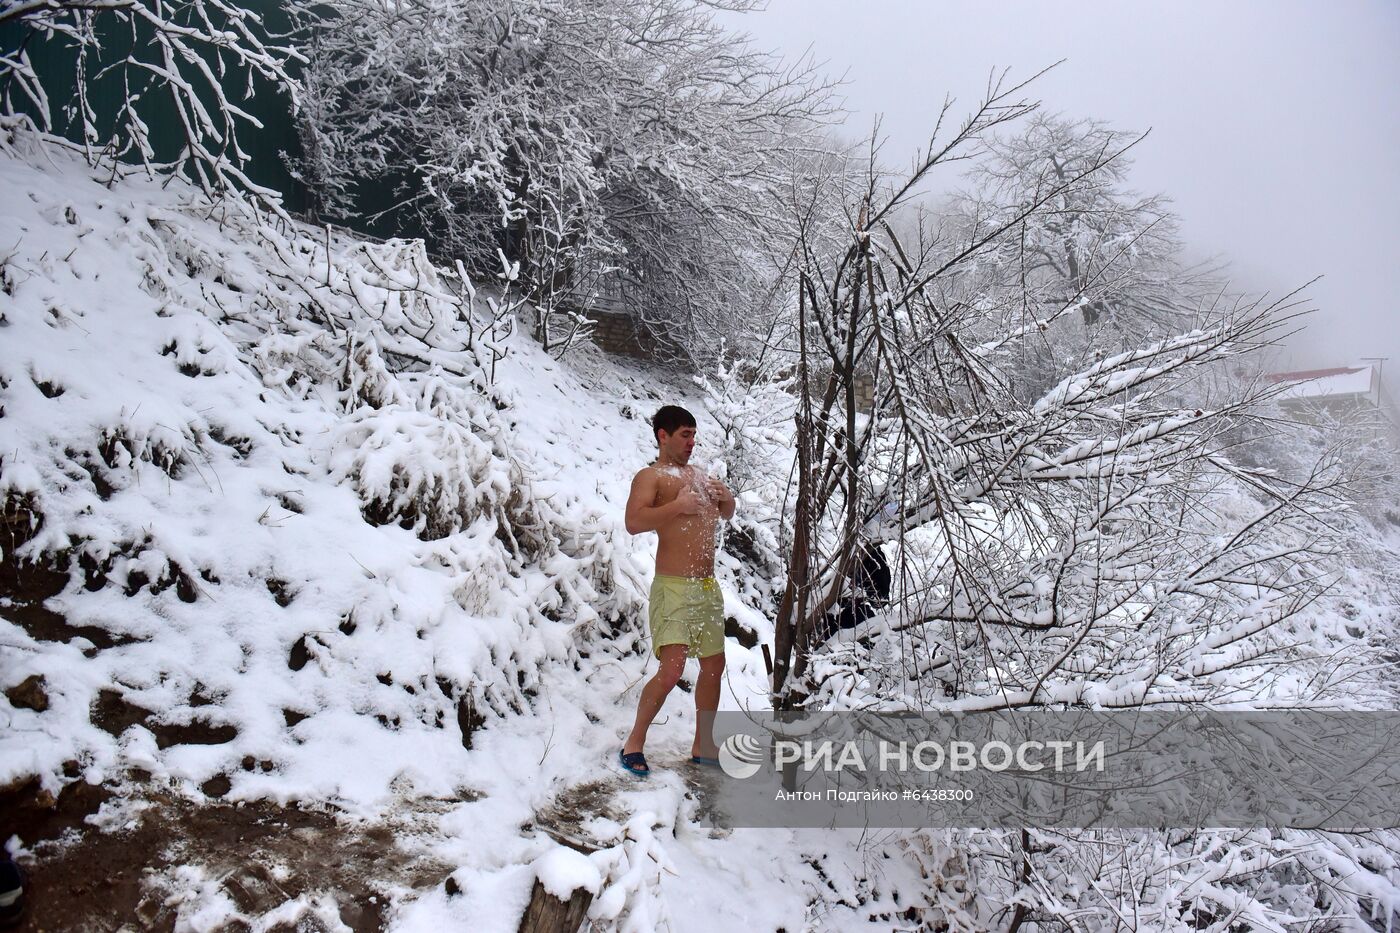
point(200, 416)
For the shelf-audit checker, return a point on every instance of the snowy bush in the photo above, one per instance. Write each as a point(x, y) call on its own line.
point(754, 410)
point(425, 454)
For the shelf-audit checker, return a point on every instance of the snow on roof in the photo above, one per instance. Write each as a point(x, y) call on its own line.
point(1325, 383)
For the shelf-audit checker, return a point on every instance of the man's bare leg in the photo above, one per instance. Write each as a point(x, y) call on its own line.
point(654, 694)
point(706, 702)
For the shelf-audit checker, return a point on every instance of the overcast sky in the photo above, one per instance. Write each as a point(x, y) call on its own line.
point(1275, 123)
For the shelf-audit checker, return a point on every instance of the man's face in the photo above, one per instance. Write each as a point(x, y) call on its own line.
point(677, 447)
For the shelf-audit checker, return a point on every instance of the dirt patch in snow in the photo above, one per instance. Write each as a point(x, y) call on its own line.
point(253, 863)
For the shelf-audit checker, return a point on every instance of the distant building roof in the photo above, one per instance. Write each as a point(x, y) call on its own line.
point(1320, 384)
point(1303, 375)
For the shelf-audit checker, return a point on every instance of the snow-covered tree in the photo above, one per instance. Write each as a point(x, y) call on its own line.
point(603, 146)
point(186, 56)
point(1099, 263)
point(1090, 544)
point(1097, 542)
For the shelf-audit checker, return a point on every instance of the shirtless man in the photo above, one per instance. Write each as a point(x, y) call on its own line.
point(683, 505)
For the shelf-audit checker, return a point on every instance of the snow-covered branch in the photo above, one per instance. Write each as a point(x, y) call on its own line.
point(187, 56)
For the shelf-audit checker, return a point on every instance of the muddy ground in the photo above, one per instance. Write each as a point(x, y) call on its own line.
point(283, 868)
point(269, 861)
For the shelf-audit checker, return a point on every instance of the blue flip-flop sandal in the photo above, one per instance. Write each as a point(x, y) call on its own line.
point(707, 762)
point(634, 762)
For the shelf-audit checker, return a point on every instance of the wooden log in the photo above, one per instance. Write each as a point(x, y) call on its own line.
point(548, 914)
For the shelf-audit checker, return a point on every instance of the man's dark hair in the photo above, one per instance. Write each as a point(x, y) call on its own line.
point(671, 418)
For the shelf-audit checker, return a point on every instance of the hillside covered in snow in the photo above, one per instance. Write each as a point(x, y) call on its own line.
point(276, 534)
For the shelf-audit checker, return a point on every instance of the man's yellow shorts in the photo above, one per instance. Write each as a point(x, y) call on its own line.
point(686, 611)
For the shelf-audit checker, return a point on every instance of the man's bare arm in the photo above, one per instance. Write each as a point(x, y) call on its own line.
point(642, 516)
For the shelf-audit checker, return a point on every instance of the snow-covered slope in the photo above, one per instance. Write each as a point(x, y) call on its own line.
point(295, 533)
point(179, 434)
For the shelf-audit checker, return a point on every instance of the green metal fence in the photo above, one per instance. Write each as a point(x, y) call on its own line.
point(54, 58)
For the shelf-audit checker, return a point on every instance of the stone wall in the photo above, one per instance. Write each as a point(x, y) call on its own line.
point(616, 332)
point(865, 392)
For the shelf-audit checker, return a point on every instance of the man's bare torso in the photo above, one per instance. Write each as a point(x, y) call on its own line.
point(686, 545)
